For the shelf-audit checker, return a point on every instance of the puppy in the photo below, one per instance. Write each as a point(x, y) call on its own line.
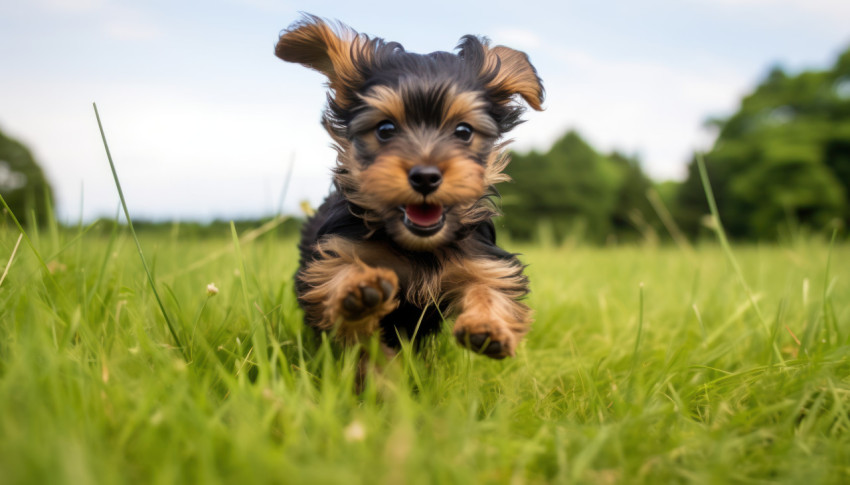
point(406, 236)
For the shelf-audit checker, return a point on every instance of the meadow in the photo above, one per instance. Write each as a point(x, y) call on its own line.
point(646, 364)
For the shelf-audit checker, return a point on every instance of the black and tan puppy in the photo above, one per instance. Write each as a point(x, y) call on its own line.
point(406, 237)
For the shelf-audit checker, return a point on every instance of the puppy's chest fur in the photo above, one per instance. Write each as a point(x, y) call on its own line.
point(424, 276)
point(429, 281)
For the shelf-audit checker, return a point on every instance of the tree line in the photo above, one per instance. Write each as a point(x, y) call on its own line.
point(781, 161)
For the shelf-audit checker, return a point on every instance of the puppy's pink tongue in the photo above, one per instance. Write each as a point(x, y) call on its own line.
point(424, 215)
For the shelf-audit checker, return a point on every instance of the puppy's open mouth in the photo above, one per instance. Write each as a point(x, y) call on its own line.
point(424, 219)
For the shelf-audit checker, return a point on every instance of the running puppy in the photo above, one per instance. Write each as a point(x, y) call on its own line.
point(407, 233)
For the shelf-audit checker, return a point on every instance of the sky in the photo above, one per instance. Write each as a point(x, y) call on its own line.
point(203, 121)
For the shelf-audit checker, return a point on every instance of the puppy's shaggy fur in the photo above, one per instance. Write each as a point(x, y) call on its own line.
point(406, 236)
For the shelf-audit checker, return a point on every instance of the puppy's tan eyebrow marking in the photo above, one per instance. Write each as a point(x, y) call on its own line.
point(387, 101)
point(462, 104)
point(468, 106)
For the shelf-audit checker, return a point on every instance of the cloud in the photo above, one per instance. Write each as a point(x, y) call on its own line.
point(269, 6)
point(518, 38)
point(652, 109)
point(827, 14)
point(129, 25)
point(62, 6)
point(821, 7)
point(116, 21)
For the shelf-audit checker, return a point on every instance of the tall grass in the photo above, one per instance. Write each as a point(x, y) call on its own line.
point(645, 365)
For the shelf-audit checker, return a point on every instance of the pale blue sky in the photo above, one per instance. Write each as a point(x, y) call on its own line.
point(202, 119)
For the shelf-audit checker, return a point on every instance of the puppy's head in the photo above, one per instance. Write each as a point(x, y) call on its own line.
point(417, 135)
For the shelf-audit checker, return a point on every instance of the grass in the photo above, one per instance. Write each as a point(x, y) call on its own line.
point(645, 365)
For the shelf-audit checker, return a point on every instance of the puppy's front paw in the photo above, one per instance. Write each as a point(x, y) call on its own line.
point(370, 291)
point(485, 335)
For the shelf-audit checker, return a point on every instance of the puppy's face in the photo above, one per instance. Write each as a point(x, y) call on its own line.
point(417, 135)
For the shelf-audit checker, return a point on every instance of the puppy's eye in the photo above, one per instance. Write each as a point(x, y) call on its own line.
point(463, 132)
point(386, 130)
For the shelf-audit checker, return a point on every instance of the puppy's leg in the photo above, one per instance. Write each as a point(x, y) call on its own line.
point(491, 319)
point(342, 294)
point(366, 365)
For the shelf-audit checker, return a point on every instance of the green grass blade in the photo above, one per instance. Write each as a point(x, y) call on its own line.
point(727, 250)
point(258, 338)
point(113, 235)
point(151, 281)
point(11, 258)
point(636, 352)
point(285, 189)
point(670, 223)
point(26, 237)
point(828, 315)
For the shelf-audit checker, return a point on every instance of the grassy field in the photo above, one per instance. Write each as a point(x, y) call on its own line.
point(645, 365)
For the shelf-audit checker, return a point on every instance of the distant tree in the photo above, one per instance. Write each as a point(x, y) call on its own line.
point(667, 191)
point(783, 157)
point(574, 190)
point(632, 211)
point(22, 181)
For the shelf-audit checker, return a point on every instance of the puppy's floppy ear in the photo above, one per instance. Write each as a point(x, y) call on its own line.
point(509, 72)
point(315, 44)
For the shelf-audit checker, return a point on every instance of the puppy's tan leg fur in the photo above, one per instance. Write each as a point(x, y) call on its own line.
point(347, 296)
point(491, 319)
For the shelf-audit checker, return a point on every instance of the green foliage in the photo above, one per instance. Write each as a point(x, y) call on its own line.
point(574, 190)
point(783, 158)
point(93, 391)
point(22, 183)
point(667, 191)
point(632, 209)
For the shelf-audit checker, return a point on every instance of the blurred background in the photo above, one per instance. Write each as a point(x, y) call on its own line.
point(203, 121)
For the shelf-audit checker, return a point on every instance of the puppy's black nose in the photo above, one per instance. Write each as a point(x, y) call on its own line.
point(425, 178)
